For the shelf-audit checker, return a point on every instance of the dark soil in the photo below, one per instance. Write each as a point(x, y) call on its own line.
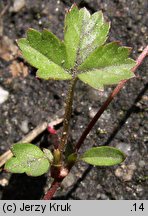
point(123, 125)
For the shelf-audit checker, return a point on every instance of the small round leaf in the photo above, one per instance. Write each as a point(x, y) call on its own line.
point(27, 158)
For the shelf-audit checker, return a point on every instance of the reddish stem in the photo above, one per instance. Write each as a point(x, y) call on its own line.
point(109, 99)
point(140, 58)
point(56, 184)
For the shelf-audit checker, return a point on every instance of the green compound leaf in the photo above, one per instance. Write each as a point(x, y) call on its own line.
point(83, 34)
point(103, 156)
point(27, 158)
point(47, 58)
point(82, 54)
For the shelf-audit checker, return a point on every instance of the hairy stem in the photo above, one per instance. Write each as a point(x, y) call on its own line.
point(109, 99)
point(67, 115)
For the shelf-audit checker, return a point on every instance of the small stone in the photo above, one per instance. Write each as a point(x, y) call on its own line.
point(68, 181)
point(94, 94)
point(3, 182)
point(17, 5)
point(125, 147)
point(99, 187)
point(139, 189)
point(104, 197)
point(143, 29)
point(125, 172)
point(118, 172)
point(142, 163)
point(3, 95)
point(98, 196)
point(92, 112)
point(57, 9)
point(40, 22)
point(140, 49)
point(24, 126)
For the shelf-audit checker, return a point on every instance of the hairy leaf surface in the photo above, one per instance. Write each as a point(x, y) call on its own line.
point(108, 65)
point(83, 34)
point(82, 54)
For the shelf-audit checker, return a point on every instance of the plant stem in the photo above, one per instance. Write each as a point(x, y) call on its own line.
point(55, 185)
point(107, 102)
point(67, 115)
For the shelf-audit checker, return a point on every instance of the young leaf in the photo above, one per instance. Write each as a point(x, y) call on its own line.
point(72, 158)
point(103, 156)
point(82, 54)
point(27, 158)
point(83, 34)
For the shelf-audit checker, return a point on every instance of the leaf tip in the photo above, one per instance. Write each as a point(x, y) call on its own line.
point(30, 29)
point(74, 6)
